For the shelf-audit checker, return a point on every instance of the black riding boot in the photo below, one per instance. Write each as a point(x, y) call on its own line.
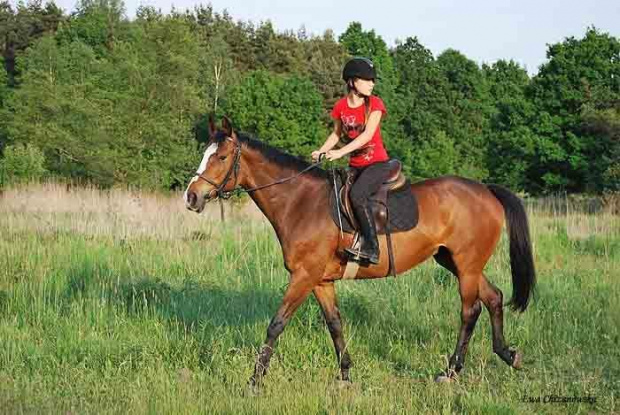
point(369, 249)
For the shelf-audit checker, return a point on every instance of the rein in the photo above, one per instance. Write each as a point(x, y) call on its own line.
point(234, 169)
point(287, 179)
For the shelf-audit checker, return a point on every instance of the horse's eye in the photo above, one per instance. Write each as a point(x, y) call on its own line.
point(223, 157)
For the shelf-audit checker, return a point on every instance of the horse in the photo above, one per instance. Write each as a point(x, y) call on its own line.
point(460, 223)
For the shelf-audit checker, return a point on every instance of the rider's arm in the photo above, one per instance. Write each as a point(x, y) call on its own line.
point(333, 138)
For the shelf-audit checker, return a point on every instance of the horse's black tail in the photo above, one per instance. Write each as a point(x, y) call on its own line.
point(521, 259)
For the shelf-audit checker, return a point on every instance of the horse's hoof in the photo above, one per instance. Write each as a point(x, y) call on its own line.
point(517, 361)
point(443, 378)
point(254, 388)
point(343, 384)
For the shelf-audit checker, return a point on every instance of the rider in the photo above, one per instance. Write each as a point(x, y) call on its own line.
point(357, 117)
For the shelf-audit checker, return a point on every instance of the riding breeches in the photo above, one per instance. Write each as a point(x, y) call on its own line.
point(367, 182)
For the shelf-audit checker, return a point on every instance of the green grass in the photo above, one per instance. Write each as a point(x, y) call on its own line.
point(116, 310)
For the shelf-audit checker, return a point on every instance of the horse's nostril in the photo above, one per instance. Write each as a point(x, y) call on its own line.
point(191, 198)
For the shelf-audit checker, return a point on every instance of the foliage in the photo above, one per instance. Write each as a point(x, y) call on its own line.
point(124, 119)
point(21, 26)
point(581, 75)
point(602, 128)
point(111, 100)
point(511, 141)
point(284, 112)
point(96, 23)
point(21, 163)
point(4, 88)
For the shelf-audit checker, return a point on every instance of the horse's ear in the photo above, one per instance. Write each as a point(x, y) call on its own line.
point(227, 127)
point(212, 128)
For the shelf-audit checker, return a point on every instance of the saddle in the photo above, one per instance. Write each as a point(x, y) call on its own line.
point(394, 209)
point(393, 206)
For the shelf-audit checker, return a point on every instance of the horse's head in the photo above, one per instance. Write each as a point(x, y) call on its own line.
point(218, 169)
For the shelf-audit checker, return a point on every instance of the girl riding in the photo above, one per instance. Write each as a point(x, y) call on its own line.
point(357, 119)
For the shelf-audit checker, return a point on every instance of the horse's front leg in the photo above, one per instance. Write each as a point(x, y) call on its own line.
point(326, 296)
point(300, 286)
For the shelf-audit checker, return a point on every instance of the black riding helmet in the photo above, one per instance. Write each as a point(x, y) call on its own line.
point(359, 68)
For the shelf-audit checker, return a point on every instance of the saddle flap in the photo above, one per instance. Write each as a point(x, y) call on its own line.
point(379, 201)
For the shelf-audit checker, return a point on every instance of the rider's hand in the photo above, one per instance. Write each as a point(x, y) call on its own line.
point(332, 155)
point(315, 155)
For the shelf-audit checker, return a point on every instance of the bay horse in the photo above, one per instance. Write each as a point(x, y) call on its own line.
point(460, 223)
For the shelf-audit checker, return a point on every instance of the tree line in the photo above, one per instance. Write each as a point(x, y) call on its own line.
point(97, 97)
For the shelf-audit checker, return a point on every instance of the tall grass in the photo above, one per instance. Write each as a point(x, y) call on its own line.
point(118, 301)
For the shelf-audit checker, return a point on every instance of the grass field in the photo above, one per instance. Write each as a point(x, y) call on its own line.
point(120, 302)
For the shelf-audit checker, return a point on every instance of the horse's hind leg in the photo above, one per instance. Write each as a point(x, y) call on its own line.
point(491, 296)
point(470, 311)
point(326, 296)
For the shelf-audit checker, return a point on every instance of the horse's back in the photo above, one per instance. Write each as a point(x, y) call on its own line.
point(451, 189)
point(447, 182)
point(455, 209)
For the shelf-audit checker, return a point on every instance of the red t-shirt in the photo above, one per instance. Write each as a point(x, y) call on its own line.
point(353, 124)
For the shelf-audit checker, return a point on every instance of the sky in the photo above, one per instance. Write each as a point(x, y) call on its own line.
point(483, 30)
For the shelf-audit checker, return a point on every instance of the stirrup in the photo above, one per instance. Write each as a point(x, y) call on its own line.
point(359, 256)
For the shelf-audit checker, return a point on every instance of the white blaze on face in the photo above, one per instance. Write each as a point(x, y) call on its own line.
point(205, 159)
point(203, 166)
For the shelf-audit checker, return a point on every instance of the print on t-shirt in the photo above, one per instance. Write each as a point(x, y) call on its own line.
point(353, 124)
point(353, 129)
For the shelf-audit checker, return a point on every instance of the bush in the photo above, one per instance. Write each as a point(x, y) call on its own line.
point(21, 163)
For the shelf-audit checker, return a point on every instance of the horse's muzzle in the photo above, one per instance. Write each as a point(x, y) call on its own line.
point(192, 202)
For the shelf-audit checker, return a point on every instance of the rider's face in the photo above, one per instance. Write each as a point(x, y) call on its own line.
point(364, 86)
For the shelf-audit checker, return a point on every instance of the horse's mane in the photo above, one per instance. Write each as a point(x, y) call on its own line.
point(279, 157)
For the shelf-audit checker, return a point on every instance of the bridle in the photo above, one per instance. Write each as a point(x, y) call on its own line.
point(234, 170)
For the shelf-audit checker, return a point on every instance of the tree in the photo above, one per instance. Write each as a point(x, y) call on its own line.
point(444, 102)
point(4, 92)
point(21, 163)
point(470, 108)
point(581, 73)
point(219, 77)
point(282, 111)
point(98, 24)
point(112, 101)
point(3, 83)
point(20, 28)
point(511, 141)
point(324, 59)
point(157, 85)
point(51, 108)
point(422, 103)
point(601, 130)
point(124, 119)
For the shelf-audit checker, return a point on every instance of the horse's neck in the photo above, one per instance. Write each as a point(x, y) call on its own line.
point(277, 202)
